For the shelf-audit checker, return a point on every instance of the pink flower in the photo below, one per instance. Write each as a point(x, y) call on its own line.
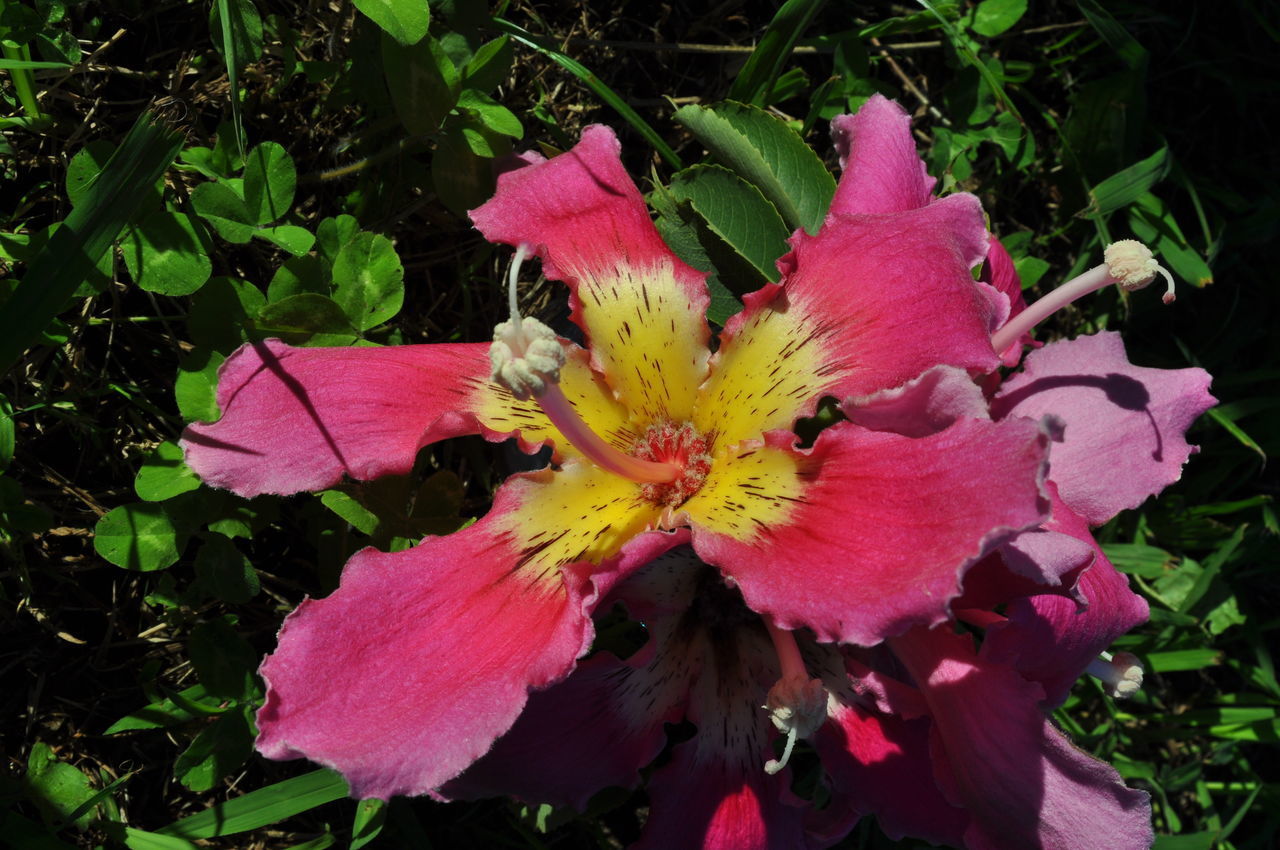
point(408, 672)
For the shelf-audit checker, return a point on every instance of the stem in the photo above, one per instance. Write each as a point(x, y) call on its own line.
point(1091, 281)
point(789, 658)
point(577, 432)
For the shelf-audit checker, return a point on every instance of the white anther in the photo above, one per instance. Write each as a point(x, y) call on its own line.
point(798, 707)
point(525, 356)
point(1120, 673)
point(1133, 267)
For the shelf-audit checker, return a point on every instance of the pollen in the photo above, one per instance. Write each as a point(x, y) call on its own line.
point(679, 444)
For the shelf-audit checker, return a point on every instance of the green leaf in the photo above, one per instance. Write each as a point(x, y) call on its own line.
point(74, 250)
point(262, 807)
point(219, 749)
point(1152, 222)
point(333, 234)
point(306, 318)
point(1177, 660)
point(1113, 33)
point(766, 153)
point(369, 819)
point(368, 280)
point(8, 438)
point(686, 233)
point(220, 311)
point(164, 474)
point(244, 47)
point(139, 839)
point(221, 206)
point(57, 788)
point(138, 537)
point(993, 17)
point(755, 82)
point(296, 240)
point(167, 253)
point(167, 712)
point(490, 113)
point(462, 179)
point(1127, 185)
point(737, 213)
point(224, 661)
point(196, 387)
point(356, 514)
point(404, 20)
point(489, 66)
point(308, 273)
point(422, 81)
point(269, 183)
point(225, 572)
point(1139, 559)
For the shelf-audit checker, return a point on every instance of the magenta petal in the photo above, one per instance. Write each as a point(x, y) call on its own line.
point(880, 764)
point(581, 214)
point(886, 527)
point(408, 672)
point(601, 725)
point(297, 419)
point(881, 170)
point(997, 754)
point(1034, 562)
point(922, 406)
point(1124, 424)
point(1051, 640)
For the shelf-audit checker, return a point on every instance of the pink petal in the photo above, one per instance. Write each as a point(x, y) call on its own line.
point(1124, 424)
point(409, 671)
point(297, 419)
point(1051, 640)
point(642, 309)
point(996, 754)
point(883, 528)
point(922, 406)
point(880, 764)
point(868, 304)
point(882, 173)
point(597, 728)
point(1034, 562)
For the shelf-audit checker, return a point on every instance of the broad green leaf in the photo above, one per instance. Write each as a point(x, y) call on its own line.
point(225, 572)
point(1113, 33)
point(57, 788)
point(489, 66)
point(423, 83)
point(164, 474)
point(220, 311)
point(1225, 615)
point(292, 238)
point(220, 748)
point(308, 273)
point(685, 232)
point(138, 537)
point(1152, 222)
point(172, 711)
point(332, 234)
point(404, 20)
point(224, 209)
point(1139, 559)
point(368, 280)
point(766, 153)
point(74, 250)
point(356, 514)
point(737, 213)
point(167, 253)
point(490, 113)
point(1175, 660)
point(245, 44)
point(306, 318)
point(370, 816)
point(196, 387)
point(1126, 186)
point(269, 183)
point(993, 17)
point(224, 661)
point(755, 82)
point(462, 179)
point(262, 807)
point(84, 168)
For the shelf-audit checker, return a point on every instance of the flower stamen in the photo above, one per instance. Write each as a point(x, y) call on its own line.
point(797, 704)
point(526, 358)
point(1127, 263)
point(1120, 673)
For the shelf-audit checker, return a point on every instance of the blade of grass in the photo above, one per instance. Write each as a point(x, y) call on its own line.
point(19, 64)
point(755, 82)
point(74, 250)
point(232, 58)
point(262, 807)
point(605, 93)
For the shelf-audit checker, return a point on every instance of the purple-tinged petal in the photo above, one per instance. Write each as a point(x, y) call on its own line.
point(1125, 424)
point(714, 793)
point(1051, 640)
point(597, 728)
point(868, 304)
point(878, 764)
point(922, 406)
point(643, 310)
point(868, 533)
point(997, 755)
point(1034, 562)
point(296, 419)
point(408, 672)
point(881, 171)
